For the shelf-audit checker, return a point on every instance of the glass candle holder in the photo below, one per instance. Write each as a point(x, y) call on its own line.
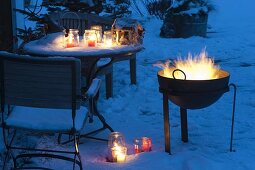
point(137, 145)
point(90, 38)
point(71, 38)
point(99, 30)
point(117, 149)
point(107, 38)
point(146, 144)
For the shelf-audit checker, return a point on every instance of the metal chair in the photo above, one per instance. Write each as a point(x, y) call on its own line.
point(47, 96)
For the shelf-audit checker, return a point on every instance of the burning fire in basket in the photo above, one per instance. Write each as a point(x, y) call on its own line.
point(199, 67)
point(194, 83)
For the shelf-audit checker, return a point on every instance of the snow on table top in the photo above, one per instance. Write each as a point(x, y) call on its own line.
point(52, 45)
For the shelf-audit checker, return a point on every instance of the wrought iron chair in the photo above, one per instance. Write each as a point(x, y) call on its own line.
point(47, 96)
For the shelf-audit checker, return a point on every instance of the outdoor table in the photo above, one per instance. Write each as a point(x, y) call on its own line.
point(52, 46)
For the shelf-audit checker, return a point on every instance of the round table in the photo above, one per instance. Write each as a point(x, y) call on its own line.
point(52, 45)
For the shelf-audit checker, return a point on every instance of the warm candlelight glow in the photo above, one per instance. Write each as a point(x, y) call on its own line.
point(108, 39)
point(119, 153)
point(71, 38)
point(90, 38)
point(137, 145)
point(199, 67)
point(117, 150)
point(146, 144)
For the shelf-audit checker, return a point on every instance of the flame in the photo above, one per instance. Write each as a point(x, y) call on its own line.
point(199, 67)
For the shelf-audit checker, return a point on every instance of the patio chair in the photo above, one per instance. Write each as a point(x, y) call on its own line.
point(47, 96)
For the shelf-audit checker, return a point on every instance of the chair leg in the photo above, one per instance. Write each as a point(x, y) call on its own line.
point(8, 147)
point(77, 153)
point(109, 85)
point(132, 63)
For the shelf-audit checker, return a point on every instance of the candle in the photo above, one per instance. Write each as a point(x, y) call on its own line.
point(117, 149)
point(107, 38)
point(90, 38)
point(146, 144)
point(118, 153)
point(121, 157)
point(137, 145)
point(91, 43)
point(71, 38)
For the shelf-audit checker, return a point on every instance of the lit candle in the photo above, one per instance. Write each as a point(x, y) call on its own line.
point(121, 157)
point(146, 144)
point(137, 145)
point(70, 41)
point(119, 153)
point(91, 43)
point(90, 38)
point(71, 38)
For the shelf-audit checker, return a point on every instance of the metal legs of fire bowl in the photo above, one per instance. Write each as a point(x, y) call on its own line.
point(184, 122)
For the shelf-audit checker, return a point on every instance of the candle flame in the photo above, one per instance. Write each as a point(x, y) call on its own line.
point(199, 67)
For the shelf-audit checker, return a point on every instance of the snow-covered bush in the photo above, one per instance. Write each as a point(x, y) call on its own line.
point(185, 18)
point(157, 7)
point(189, 7)
point(117, 8)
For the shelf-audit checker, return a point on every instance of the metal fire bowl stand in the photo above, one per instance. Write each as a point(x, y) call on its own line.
point(192, 94)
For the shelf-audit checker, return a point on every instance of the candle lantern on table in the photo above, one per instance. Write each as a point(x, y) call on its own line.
point(71, 38)
point(117, 150)
point(108, 38)
point(98, 29)
point(90, 38)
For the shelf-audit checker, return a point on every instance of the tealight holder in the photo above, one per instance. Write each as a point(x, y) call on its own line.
point(107, 38)
point(90, 38)
point(117, 150)
point(143, 144)
point(146, 144)
point(99, 31)
point(71, 38)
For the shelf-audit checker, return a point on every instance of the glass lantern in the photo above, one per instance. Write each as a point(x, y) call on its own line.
point(142, 144)
point(117, 149)
point(108, 38)
point(99, 30)
point(90, 38)
point(146, 144)
point(71, 38)
point(137, 145)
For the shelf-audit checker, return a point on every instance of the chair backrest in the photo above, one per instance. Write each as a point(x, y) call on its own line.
point(40, 82)
point(80, 21)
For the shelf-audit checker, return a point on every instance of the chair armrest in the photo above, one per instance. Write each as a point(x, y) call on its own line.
point(93, 88)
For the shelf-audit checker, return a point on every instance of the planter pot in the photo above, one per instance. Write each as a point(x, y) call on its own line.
point(184, 26)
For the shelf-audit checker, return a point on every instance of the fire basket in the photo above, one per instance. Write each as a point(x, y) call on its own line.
point(191, 94)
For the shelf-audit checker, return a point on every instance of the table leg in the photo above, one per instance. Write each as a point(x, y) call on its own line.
point(108, 85)
point(132, 63)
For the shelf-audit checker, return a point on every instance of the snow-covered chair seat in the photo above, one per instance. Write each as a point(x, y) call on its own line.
point(47, 96)
point(52, 120)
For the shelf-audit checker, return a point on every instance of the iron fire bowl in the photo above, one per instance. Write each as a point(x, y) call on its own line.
point(194, 94)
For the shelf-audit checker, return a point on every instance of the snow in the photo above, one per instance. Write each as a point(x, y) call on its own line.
point(53, 45)
point(136, 110)
point(36, 118)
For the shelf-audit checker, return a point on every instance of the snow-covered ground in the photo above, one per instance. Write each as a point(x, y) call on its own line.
point(136, 110)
